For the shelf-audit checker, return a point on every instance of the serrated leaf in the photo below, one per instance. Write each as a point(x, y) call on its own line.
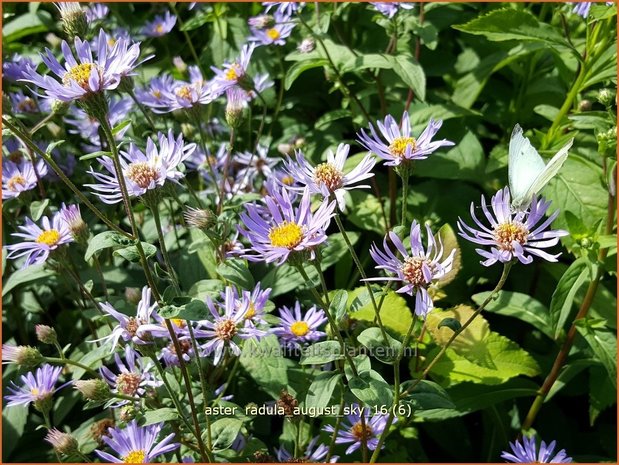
point(427, 395)
point(224, 431)
point(300, 67)
point(370, 387)
point(159, 415)
point(321, 390)
point(236, 271)
point(394, 312)
point(384, 351)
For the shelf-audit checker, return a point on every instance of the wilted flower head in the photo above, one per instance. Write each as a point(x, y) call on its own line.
point(143, 171)
point(261, 21)
point(89, 76)
point(62, 443)
point(37, 388)
point(160, 26)
point(296, 328)
point(512, 234)
point(136, 444)
point(24, 356)
point(199, 218)
point(20, 177)
point(40, 241)
point(399, 146)
point(527, 452)
point(415, 271)
point(328, 178)
point(281, 229)
point(307, 45)
point(355, 431)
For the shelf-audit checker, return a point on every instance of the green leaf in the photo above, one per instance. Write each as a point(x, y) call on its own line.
point(37, 208)
point(185, 308)
point(120, 126)
point(236, 271)
point(97, 154)
point(604, 345)
point(131, 254)
point(450, 323)
point(386, 352)
point(367, 213)
point(264, 361)
point(105, 240)
point(601, 393)
point(301, 66)
point(427, 395)
point(25, 25)
point(321, 352)
point(411, 72)
point(511, 24)
point(337, 307)
point(325, 120)
point(14, 421)
point(200, 18)
point(24, 276)
point(207, 287)
point(370, 387)
point(224, 431)
point(159, 415)
point(563, 296)
point(521, 306)
point(394, 312)
point(321, 390)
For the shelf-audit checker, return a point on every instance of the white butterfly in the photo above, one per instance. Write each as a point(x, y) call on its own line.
point(527, 172)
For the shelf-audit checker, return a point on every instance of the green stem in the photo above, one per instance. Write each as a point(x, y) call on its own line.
point(42, 123)
point(506, 268)
point(50, 161)
point(203, 387)
point(68, 361)
point(154, 207)
point(224, 177)
point(355, 258)
point(187, 38)
point(142, 109)
point(405, 175)
point(338, 423)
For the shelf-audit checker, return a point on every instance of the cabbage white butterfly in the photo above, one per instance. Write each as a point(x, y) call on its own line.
point(527, 172)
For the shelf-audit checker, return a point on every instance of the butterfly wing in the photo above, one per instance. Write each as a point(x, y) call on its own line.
point(549, 171)
point(524, 167)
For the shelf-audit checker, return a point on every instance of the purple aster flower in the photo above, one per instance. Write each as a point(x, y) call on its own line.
point(389, 9)
point(296, 328)
point(143, 171)
point(353, 430)
point(417, 270)
point(399, 146)
point(272, 35)
point(255, 301)
point(136, 444)
point(133, 377)
point(37, 388)
point(40, 241)
point(88, 127)
point(160, 26)
point(200, 162)
point(23, 103)
point(158, 93)
point(73, 219)
point(284, 8)
point(582, 8)
point(222, 330)
point(185, 95)
point(254, 165)
point(15, 68)
point(233, 73)
point(281, 229)
point(133, 328)
point(20, 177)
point(328, 178)
point(512, 234)
point(169, 355)
point(96, 11)
point(314, 452)
point(78, 80)
point(527, 452)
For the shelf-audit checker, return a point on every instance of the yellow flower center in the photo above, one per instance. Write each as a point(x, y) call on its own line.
point(225, 329)
point(251, 312)
point(128, 383)
point(111, 42)
point(14, 181)
point(233, 72)
point(288, 180)
point(184, 92)
point(34, 391)
point(299, 328)
point(142, 174)
point(50, 237)
point(178, 322)
point(362, 432)
point(506, 233)
point(412, 271)
point(156, 93)
point(132, 325)
point(159, 28)
point(135, 456)
point(273, 34)
point(399, 145)
point(287, 234)
point(329, 175)
point(80, 74)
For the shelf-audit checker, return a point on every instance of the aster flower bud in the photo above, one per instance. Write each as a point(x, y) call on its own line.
point(235, 106)
point(24, 356)
point(307, 45)
point(200, 218)
point(96, 390)
point(62, 443)
point(73, 18)
point(285, 149)
point(59, 107)
point(261, 21)
point(606, 97)
point(128, 413)
point(72, 216)
point(585, 105)
point(179, 64)
point(46, 334)
point(133, 295)
point(126, 84)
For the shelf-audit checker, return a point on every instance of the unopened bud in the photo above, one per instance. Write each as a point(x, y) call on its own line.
point(53, 40)
point(188, 130)
point(261, 22)
point(179, 64)
point(199, 218)
point(126, 84)
point(62, 443)
point(585, 105)
point(299, 142)
point(235, 106)
point(24, 356)
point(606, 97)
point(96, 390)
point(59, 107)
point(285, 149)
point(307, 45)
point(46, 334)
point(133, 295)
point(73, 18)
point(127, 413)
